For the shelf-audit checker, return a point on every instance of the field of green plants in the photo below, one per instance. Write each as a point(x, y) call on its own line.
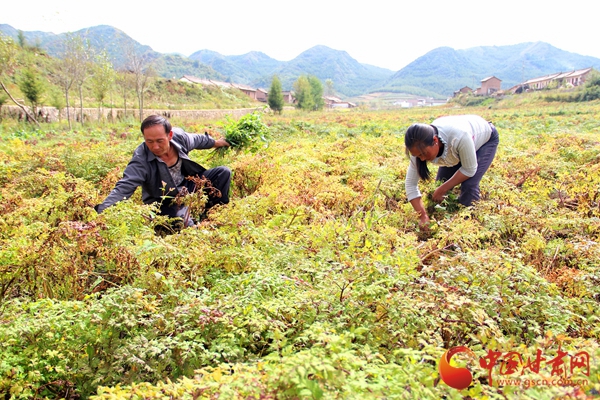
point(316, 281)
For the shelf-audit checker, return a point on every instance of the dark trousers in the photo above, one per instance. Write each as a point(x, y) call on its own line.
point(469, 189)
point(220, 179)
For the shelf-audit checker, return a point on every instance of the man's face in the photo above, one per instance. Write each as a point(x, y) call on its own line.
point(158, 140)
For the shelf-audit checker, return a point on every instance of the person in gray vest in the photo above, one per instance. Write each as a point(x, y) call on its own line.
point(463, 146)
point(160, 165)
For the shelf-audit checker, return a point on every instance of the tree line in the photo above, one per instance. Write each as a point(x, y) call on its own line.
point(79, 65)
point(308, 92)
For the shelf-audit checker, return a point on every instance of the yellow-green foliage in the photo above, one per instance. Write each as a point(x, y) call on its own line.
point(315, 281)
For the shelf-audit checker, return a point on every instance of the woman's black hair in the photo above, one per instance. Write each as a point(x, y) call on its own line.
point(421, 136)
point(156, 120)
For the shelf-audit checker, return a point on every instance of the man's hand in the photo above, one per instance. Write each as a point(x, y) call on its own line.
point(220, 143)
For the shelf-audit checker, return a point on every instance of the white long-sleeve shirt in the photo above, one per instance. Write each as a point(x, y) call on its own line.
point(462, 136)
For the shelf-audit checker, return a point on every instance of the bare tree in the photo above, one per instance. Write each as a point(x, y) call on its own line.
point(64, 77)
point(139, 65)
point(67, 69)
point(103, 79)
point(85, 65)
point(329, 90)
point(124, 82)
point(8, 62)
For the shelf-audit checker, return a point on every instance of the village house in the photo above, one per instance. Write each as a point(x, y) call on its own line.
point(489, 85)
point(205, 82)
point(249, 91)
point(403, 104)
point(343, 104)
point(193, 79)
point(262, 95)
point(435, 102)
point(464, 90)
point(334, 102)
point(288, 97)
point(329, 100)
point(255, 94)
point(222, 84)
point(409, 103)
point(419, 102)
point(572, 78)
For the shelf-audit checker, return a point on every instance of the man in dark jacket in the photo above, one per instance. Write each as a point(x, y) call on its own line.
point(161, 165)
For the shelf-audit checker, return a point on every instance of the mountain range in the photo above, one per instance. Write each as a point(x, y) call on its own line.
point(438, 73)
point(444, 70)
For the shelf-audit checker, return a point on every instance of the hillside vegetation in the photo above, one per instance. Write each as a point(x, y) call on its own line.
point(438, 73)
point(315, 282)
point(444, 70)
point(159, 93)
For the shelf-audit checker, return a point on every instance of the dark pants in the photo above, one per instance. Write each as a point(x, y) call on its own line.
point(469, 189)
point(220, 179)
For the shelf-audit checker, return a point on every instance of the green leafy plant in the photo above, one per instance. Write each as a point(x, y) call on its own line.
point(314, 281)
point(249, 133)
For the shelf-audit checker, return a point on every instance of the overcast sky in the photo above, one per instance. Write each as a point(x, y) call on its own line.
point(388, 34)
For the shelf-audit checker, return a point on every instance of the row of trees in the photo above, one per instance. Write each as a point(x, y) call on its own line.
point(308, 91)
point(78, 64)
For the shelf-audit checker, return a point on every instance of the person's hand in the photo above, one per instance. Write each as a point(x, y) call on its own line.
point(221, 143)
point(424, 220)
point(439, 194)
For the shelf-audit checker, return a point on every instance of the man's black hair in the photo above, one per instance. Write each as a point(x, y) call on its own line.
point(156, 120)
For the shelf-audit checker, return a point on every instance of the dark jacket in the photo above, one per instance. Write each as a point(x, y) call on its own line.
point(149, 172)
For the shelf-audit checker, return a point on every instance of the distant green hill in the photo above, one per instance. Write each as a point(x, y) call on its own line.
point(102, 37)
point(349, 77)
point(257, 69)
point(33, 38)
point(115, 42)
point(254, 68)
point(444, 70)
point(437, 73)
point(248, 68)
